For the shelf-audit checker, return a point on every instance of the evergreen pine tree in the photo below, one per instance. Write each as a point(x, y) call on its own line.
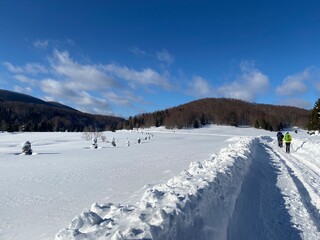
point(233, 119)
point(264, 124)
point(314, 123)
point(256, 124)
point(203, 119)
point(195, 124)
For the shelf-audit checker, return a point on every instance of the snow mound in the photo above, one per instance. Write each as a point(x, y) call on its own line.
point(307, 146)
point(196, 204)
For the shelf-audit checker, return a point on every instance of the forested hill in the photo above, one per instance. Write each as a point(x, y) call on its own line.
point(10, 96)
point(224, 111)
point(21, 112)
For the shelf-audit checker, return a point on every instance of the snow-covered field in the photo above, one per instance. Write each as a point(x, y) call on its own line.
point(216, 182)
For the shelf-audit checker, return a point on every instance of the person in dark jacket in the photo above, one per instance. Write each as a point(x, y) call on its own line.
point(280, 138)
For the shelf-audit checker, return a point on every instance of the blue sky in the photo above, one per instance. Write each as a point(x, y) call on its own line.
point(129, 57)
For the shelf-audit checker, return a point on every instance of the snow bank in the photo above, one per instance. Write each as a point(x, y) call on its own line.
point(196, 204)
point(309, 145)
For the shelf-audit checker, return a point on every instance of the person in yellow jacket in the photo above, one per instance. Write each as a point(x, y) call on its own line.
point(287, 139)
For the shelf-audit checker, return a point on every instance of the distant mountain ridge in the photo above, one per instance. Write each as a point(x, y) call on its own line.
point(6, 95)
point(224, 111)
point(22, 112)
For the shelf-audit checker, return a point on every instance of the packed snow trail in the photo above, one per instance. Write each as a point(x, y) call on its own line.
point(299, 181)
point(260, 211)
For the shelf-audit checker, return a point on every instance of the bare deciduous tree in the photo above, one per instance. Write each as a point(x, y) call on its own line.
point(91, 133)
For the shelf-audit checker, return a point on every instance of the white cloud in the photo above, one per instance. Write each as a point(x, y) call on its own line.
point(78, 76)
point(35, 68)
point(236, 90)
point(247, 66)
point(256, 81)
point(294, 84)
point(90, 77)
point(22, 89)
point(24, 79)
point(199, 87)
point(118, 100)
point(165, 57)
point(85, 99)
point(12, 68)
point(317, 86)
point(137, 51)
point(81, 85)
point(29, 68)
point(296, 102)
point(41, 44)
point(57, 88)
point(129, 100)
point(50, 99)
point(251, 83)
point(74, 81)
point(79, 99)
point(91, 104)
point(141, 78)
point(314, 78)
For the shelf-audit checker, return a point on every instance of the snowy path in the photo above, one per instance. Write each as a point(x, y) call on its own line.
point(280, 196)
point(260, 211)
point(299, 181)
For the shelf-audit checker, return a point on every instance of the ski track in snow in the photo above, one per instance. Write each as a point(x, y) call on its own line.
point(248, 189)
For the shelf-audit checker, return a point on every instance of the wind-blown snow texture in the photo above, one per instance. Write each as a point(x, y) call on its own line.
point(248, 188)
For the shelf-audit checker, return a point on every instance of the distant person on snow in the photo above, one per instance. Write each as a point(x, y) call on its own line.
point(287, 139)
point(280, 137)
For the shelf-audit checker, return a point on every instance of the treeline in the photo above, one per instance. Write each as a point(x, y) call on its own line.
point(314, 123)
point(21, 112)
point(224, 111)
point(34, 117)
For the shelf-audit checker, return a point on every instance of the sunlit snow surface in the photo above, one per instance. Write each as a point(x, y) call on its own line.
point(215, 182)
